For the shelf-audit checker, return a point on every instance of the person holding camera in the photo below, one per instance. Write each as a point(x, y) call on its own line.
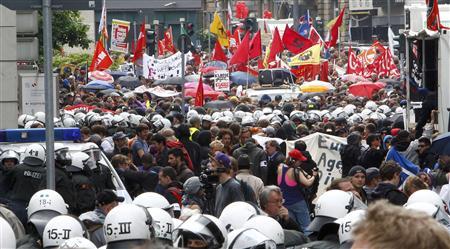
point(294, 200)
point(229, 190)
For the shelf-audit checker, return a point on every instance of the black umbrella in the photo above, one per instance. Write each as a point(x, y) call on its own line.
point(441, 145)
point(171, 81)
point(129, 82)
point(242, 107)
point(219, 104)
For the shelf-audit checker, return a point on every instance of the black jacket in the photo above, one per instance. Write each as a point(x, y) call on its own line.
point(63, 185)
point(272, 167)
point(85, 194)
point(102, 178)
point(427, 159)
point(389, 192)
point(194, 153)
point(23, 181)
point(350, 153)
point(372, 158)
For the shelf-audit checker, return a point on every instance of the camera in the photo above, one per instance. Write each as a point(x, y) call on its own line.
point(208, 177)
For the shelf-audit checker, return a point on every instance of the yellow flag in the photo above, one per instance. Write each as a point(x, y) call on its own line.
point(266, 56)
point(218, 29)
point(311, 56)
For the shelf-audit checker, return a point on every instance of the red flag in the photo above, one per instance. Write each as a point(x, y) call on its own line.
point(433, 16)
point(199, 95)
point(241, 55)
point(161, 47)
point(354, 65)
point(315, 37)
point(294, 42)
point(168, 40)
point(387, 67)
point(255, 46)
point(334, 31)
point(324, 71)
point(218, 54)
point(140, 46)
point(101, 59)
point(307, 72)
point(276, 46)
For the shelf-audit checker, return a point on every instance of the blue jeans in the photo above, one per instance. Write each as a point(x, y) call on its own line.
point(300, 213)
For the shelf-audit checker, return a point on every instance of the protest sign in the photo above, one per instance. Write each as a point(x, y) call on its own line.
point(222, 80)
point(119, 34)
point(324, 150)
point(161, 69)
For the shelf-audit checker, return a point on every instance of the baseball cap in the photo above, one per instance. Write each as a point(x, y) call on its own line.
point(223, 159)
point(119, 135)
point(108, 196)
point(297, 155)
point(192, 185)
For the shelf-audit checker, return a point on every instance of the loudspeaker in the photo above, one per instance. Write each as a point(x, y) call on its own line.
point(275, 77)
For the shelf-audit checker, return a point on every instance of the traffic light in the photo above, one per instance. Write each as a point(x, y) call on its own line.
point(150, 41)
point(190, 29)
point(188, 46)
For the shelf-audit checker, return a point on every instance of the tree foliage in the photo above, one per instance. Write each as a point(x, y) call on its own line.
point(68, 29)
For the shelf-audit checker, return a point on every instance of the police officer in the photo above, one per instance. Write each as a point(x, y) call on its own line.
point(63, 183)
point(82, 183)
point(8, 160)
point(101, 174)
point(25, 179)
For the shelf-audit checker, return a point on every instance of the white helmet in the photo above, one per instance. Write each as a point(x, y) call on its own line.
point(331, 205)
point(119, 121)
point(9, 154)
point(7, 237)
point(162, 223)
point(34, 155)
point(366, 113)
point(207, 118)
point(204, 227)
point(61, 228)
point(162, 123)
point(191, 114)
point(399, 110)
point(46, 199)
point(377, 116)
point(57, 122)
point(228, 114)
point(176, 223)
point(371, 105)
point(77, 243)
point(235, 214)
point(267, 226)
point(29, 124)
point(69, 122)
point(78, 161)
point(23, 119)
point(151, 200)
point(267, 110)
point(314, 115)
point(384, 109)
point(107, 120)
point(239, 115)
point(257, 114)
point(134, 120)
point(40, 116)
point(428, 196)
point(339, 113)
point(226, 119)
point(217, 115)
point(80, 118)
point(43, 206)
point(156, 117)
point(350, 109)
point(347, 223)
point(249, 238)
point(325, 114)
point(356, 119)
point(248, 121)
point(127, 222)
point(434, 211)
point(125, 115)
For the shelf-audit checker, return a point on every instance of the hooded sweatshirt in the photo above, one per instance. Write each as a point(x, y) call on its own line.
point(350, 153)
point(257, 157)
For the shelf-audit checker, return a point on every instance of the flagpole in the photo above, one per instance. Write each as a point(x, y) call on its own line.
point(408, 94)
point(209, 33)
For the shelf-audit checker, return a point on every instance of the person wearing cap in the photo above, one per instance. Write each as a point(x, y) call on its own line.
point(358, 179)
point(372, 180)
point(120, 144)
point(290, 181)
point(93, 220)
point(194, 194)
point(244, 174)
point(229, 189)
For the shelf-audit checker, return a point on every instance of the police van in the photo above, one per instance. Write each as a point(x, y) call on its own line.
point(19, 139)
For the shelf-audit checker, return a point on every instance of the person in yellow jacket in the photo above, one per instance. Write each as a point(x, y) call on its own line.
point(194, 128)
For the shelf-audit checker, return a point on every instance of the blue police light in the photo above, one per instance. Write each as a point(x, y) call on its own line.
point(38, 135)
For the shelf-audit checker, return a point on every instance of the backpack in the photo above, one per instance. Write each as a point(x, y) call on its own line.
point(309, 193)
point(247, 191)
